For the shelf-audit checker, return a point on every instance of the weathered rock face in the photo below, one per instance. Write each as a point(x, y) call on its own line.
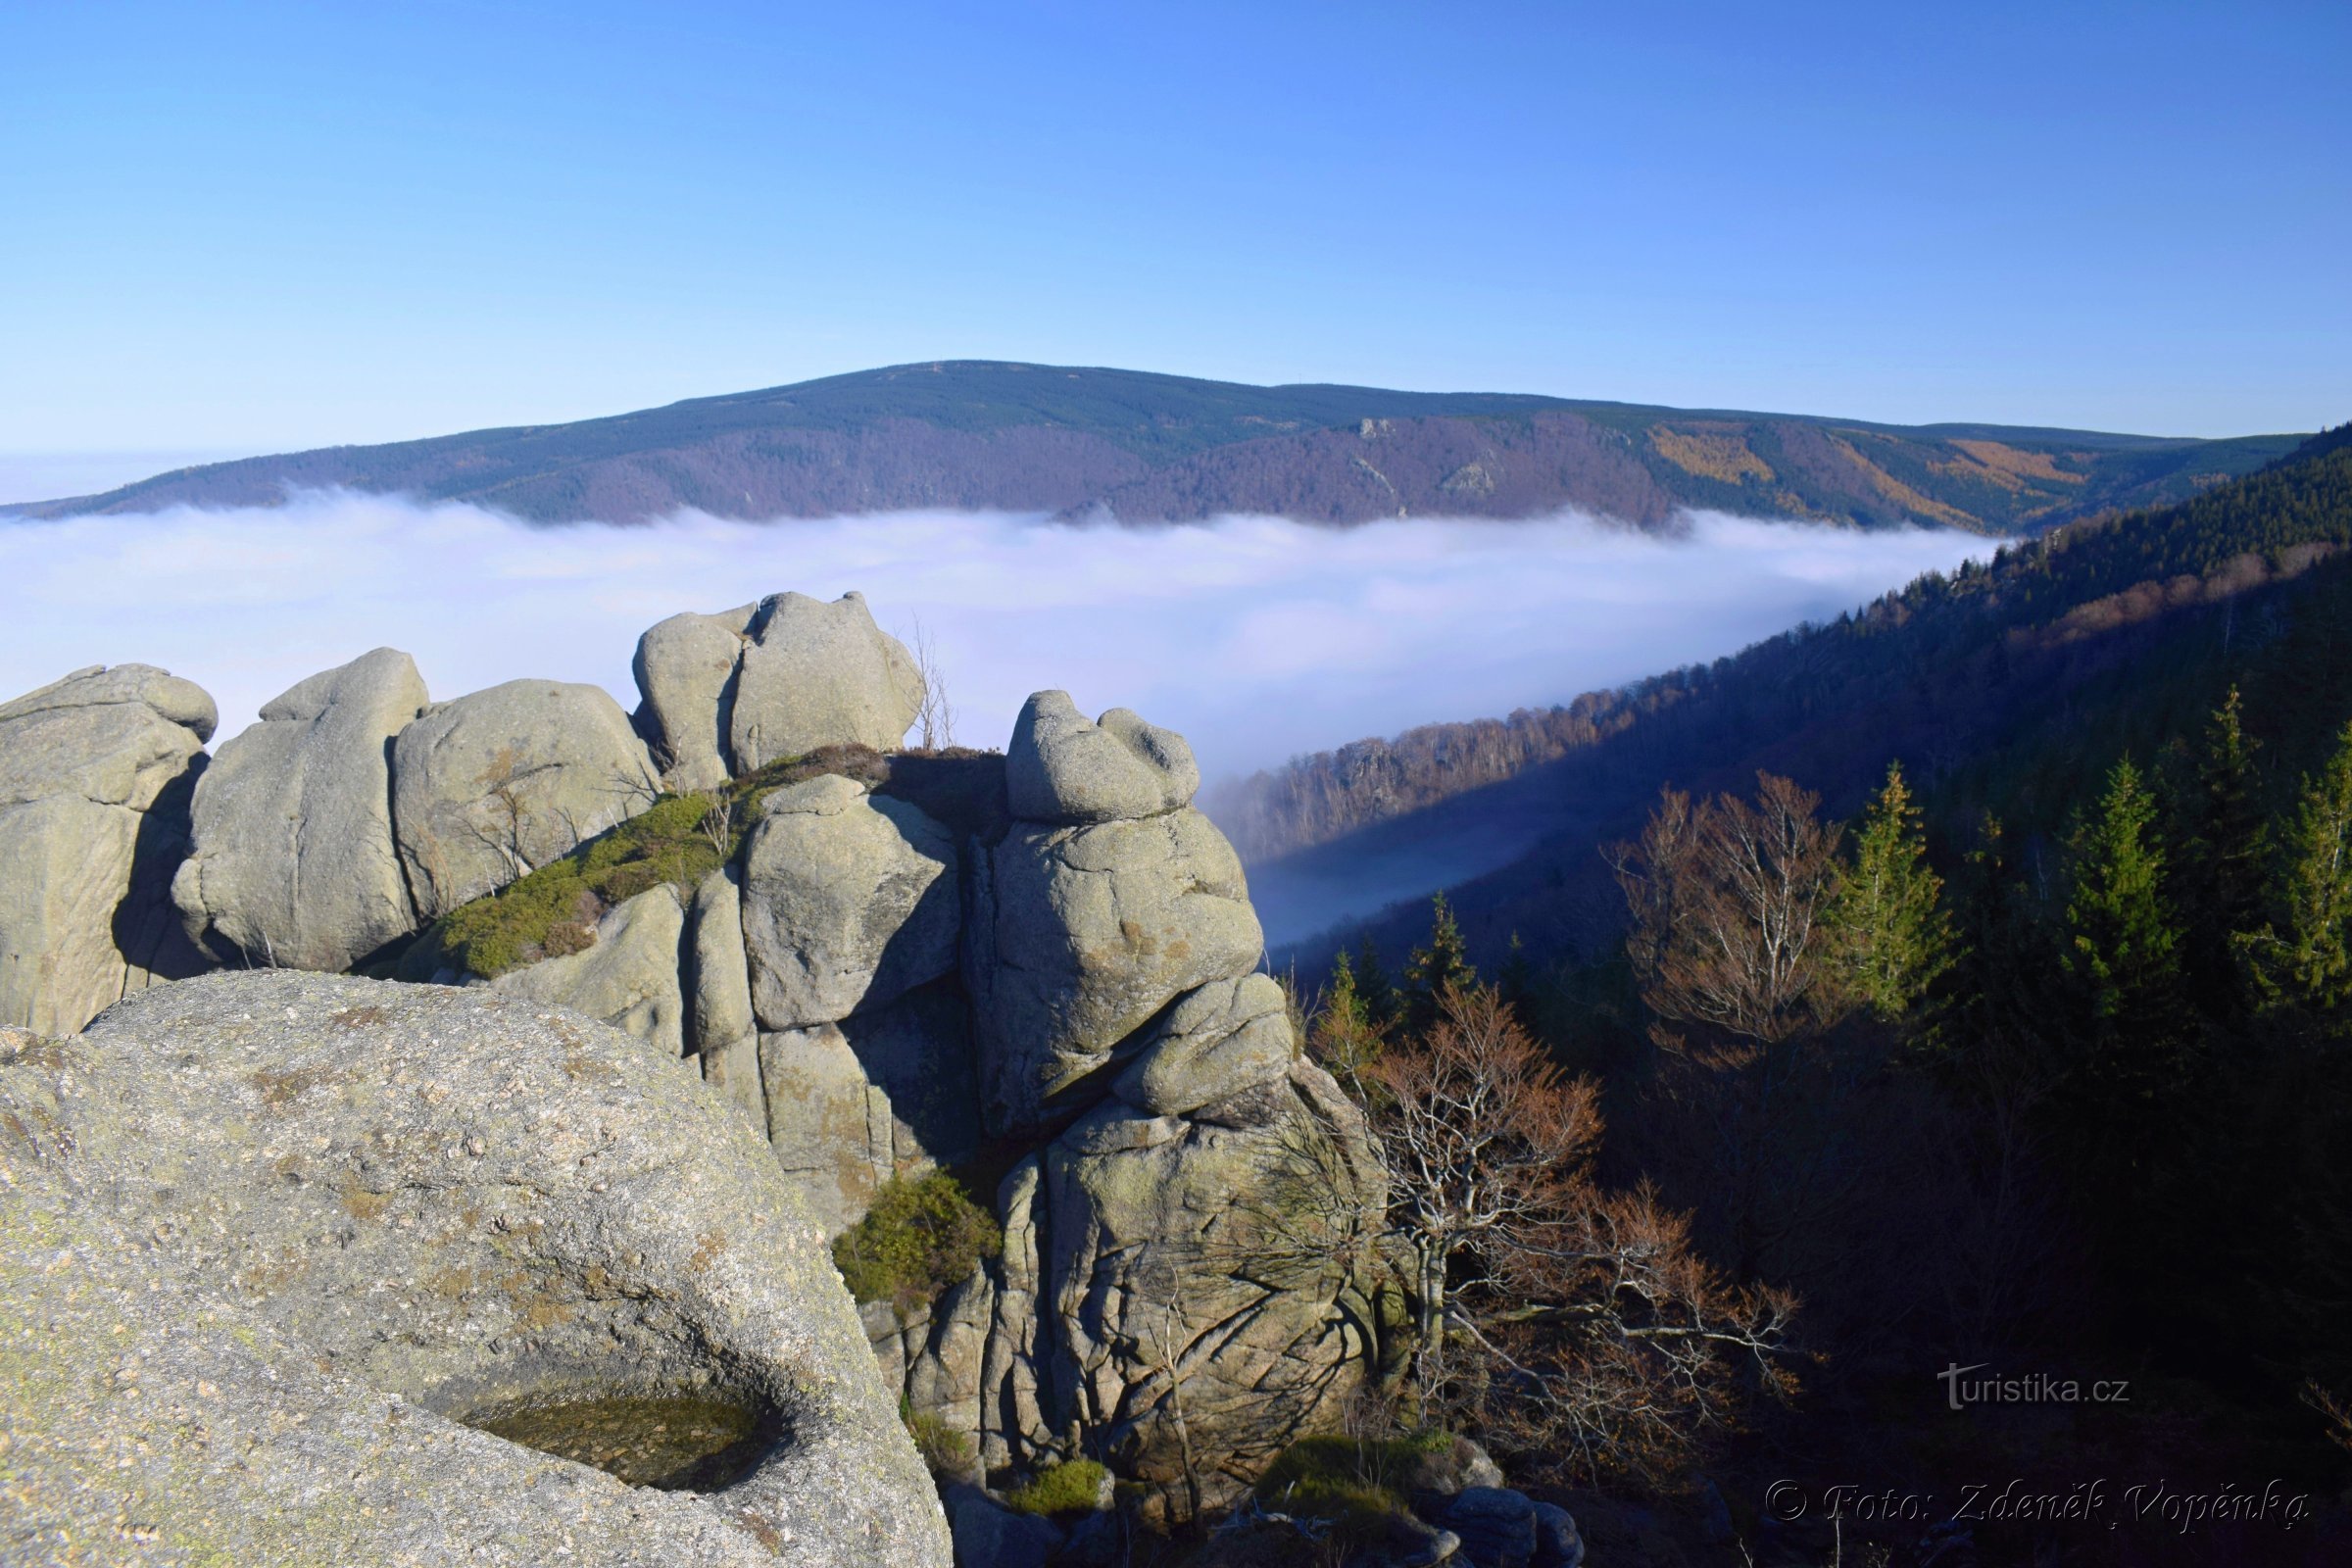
point(815, 675)
point(95, 771)
point(849, 901)
point(850, 1104)
point(724, 1035)
point(1206, 1261)
point(1077, 936)
point(279, 1235)
point(294, 863)
point(1225, 1039)
point(500, 782)
point(685, 668)
point(1062, 768)
point(628, 977)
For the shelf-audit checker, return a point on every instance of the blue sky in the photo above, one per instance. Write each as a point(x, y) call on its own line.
point(245, 227)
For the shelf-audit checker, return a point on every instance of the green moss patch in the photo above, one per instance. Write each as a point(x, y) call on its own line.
point(678, 840)
point(1073, 1487)
point(1356, 1483)
point(919, 1237)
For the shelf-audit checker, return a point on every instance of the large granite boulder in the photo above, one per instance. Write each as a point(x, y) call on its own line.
point(281, 1249)
point(294, 864)
point(1077, 936)
point(496, 784)
point(627, 977)
point(1062, 768)
point(685, 668)
point(95, 772)
point(818, 674)
point(849, 901)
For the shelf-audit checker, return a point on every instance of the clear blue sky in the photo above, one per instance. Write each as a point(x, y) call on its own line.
point(249, 227)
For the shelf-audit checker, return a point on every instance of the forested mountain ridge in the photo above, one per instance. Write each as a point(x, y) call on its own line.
point(2000, 686)
point(1107, 443)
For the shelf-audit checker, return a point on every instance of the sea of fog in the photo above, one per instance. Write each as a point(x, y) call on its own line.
point(1257, 637)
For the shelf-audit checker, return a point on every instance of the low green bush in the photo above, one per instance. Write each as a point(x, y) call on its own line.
point(946, 1451)
point(1356, 1483)
point(1073, 1487)
point(919, 1237)
point(679, 839)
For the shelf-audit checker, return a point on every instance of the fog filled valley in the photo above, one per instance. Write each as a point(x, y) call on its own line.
point(1257, 638)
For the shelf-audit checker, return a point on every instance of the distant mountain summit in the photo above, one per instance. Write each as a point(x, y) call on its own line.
point(1086, 444)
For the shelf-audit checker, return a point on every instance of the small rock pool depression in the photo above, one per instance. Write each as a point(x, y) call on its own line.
point(671, 1443)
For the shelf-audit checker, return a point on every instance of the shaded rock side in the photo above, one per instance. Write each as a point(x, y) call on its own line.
point(818, 674)
point(685, 668)
point(1062, 769)
point(849, 901)
point(1077, 936)
point(294, 864)
point(490, 787)
point(628, 977)
point(1223, 1261)
point(95, 772)
point(276, 1238)
point(883, 1093)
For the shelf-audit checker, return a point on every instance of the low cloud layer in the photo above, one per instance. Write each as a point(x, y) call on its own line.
point(1260, 638)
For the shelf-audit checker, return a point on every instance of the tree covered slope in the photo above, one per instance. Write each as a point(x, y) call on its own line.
point(1126, 445)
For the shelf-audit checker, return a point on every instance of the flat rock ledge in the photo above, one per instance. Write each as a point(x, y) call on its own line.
point(270, 1241)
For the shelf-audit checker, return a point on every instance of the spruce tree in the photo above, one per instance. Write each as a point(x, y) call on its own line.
point(2223, 853)
point(2123, 943)
point(2306, 962)
point(1384, 1009)
point(1891, 939)
point(1345, 1038)
point(1445, 962)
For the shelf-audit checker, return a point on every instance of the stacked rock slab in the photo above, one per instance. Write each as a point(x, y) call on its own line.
point(95, 771)
point(1193, 1236)
point(279, 1245)
point(294, 864)
point(725, 695)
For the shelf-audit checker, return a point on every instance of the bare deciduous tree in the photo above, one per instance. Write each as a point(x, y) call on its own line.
point(1723, 898)
point(1576, 1326)
point(935, 720)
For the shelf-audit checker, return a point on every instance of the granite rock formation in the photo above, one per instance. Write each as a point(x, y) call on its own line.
point(95, 772)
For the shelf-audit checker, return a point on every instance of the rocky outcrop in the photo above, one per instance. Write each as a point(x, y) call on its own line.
point(1062, 768)
point(304, 1242)
point(499, 782)
point(815, 675)
point(294, 863)
point(685, 668)
point(725, 695)
point(95, 771)
point(1078, 936)
point(849, 901)
point(724, 1033)
point(628, 977)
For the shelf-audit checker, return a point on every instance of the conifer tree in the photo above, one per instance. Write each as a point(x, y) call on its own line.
point(1445, 962)
point(2123, 945)
point(2225, 851)
point(1345, 1038)
point(1886, 917)
point(1383, 1006)
point(2306, 960)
